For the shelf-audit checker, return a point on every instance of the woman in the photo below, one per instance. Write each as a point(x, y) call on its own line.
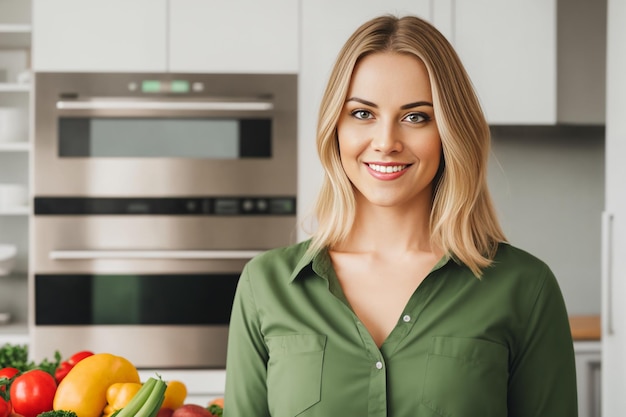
point(407, 301)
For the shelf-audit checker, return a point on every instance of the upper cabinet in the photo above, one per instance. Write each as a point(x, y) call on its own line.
point(110, 35)
point(238, 36)
point(533, 62)
point(509, 49)
point(235, 36)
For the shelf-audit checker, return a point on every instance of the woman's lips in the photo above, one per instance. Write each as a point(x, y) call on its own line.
point(387, 171)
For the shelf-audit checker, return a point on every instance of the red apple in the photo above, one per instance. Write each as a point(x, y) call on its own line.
point(192, 410)
point(165, 412)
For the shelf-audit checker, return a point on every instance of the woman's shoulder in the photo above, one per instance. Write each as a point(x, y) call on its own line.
point(510, 253)
point(515, 262)
point(281, 259)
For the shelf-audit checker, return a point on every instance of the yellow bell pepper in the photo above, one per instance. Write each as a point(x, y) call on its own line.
point(118, 395)
point(83, 390)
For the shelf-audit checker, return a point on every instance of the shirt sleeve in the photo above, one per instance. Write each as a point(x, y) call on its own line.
point(542, 380)
point(246, 362)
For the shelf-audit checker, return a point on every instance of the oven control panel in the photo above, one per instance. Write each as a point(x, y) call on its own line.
point(203, 206)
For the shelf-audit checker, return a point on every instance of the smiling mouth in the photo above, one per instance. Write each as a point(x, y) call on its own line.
point(387, 169)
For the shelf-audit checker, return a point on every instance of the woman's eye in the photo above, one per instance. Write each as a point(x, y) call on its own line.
point(417, 117)
point(362, 114)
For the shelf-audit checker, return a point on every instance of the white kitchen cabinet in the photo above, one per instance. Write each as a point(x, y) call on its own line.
point(509, 49)
point(614, 221)
point(236, 36)
point(325, 26)
point(588, 377)
point(100, 35)
point(240, 36)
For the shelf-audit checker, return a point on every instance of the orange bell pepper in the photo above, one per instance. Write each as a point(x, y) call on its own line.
point(175, 395)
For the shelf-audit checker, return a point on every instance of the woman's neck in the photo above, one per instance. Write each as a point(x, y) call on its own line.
point(389, 229)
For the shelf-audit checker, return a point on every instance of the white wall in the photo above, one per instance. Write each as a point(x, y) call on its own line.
point(549, 192)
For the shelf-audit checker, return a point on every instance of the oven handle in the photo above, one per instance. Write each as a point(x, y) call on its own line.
point(74, 255)
point(166, 105)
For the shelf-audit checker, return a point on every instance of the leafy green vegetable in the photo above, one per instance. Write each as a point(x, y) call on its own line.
point(216, 410)
point(58, 413)
point(4, 383)
point(16, 356)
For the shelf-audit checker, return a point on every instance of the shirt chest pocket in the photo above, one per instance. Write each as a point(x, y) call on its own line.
point(294, 373)
point(466, 378)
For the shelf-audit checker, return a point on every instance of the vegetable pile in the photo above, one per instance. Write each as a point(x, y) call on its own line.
point(89, 384)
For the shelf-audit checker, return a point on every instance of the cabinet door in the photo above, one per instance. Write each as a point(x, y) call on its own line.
point(614, 246)
point(235, 36)
point(99, 35)
point(326, 25)
point(509, 50)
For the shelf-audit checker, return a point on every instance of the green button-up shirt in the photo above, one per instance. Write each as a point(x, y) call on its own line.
point(462, 347)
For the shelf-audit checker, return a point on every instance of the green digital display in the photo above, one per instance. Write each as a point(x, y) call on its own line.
point(281, 206)
point(179, 86)
point(151, 86)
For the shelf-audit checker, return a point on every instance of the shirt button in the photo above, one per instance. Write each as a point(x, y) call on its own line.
point(379, 365)
point(406, 318)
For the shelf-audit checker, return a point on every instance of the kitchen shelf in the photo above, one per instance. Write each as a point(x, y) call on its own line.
point(15, 211)
point(15, 36)
point(14, 88)
point(15, 92)
point(15, 146)
point(14, 333)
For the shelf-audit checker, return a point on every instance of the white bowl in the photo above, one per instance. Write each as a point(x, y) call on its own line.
point(13, 123)
point(12, 196)
point(7, 258)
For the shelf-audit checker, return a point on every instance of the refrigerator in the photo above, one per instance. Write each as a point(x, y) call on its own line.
point(614, 219)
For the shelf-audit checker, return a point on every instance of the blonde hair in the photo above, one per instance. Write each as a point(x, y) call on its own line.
point(463, 220)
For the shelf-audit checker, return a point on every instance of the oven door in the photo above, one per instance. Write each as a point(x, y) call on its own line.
point(144, 135)
point(165, 320)
point(156, 289)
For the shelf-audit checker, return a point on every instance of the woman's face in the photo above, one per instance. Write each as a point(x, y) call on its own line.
point(388, 139)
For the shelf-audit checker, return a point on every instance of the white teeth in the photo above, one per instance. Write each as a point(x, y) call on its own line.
point(387, 169)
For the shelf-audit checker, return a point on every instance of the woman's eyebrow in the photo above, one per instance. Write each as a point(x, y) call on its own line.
point(360, 100)
point(403, 107)
point(416, 104)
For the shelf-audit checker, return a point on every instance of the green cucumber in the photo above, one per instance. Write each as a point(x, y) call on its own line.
point(139, 399)
point(152, 405)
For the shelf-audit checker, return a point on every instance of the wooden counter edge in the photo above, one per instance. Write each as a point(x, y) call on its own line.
point(585, 327)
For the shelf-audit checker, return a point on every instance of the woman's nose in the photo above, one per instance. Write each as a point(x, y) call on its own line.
point(386, 138)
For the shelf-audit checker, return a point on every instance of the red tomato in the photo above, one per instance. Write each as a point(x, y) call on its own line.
point(5, 408)
point(7, 373)
point(66, 366)
point(33, 392)
point(62, 371)
point(79, 356)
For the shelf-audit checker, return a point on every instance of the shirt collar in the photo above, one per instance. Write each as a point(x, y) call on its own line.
point(308, 260)
point(320, 260)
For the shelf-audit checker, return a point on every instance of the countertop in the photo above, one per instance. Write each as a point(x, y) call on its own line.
point(585, 327)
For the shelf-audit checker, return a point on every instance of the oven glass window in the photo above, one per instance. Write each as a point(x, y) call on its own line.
point(207, 138)
point(191, 299)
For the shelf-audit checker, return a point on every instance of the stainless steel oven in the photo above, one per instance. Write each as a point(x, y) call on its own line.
point(163, 135)
point(151, 193)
